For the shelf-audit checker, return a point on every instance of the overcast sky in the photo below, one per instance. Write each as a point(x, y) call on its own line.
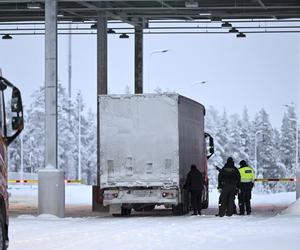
point(260, 71)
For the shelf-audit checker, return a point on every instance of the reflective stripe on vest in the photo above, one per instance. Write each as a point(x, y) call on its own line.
point(247, 174)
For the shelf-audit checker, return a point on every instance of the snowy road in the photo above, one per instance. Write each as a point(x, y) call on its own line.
point(262, 230)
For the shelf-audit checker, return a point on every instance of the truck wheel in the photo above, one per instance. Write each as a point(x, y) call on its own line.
point(125, 211)
point(178, 209)
point(2, 233)
point(205, 204)
point(205, 200)
point(149, 208)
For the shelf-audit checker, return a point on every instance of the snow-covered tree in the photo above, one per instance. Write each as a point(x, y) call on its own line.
point(89, 148)
point(34, 137)
point(34, 132)
point(211, 126)
point(246, 145)
point(266, 163)
point(67, 139)
point(288, 143)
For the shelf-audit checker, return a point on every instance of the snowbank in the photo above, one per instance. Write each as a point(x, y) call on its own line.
point(293, 209)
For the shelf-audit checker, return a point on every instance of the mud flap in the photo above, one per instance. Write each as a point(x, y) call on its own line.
point(97, 205)
point(115, 209)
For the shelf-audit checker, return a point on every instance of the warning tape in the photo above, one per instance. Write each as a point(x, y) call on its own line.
point(36, 181)
point(276, 179)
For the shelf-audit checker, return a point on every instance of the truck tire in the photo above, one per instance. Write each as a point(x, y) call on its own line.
point(205, 204)
point(205, 199)
point(125, 211)
point(3, 232)
point(178, 210)
point(149, 208)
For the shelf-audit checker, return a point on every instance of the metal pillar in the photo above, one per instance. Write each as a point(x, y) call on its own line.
point(101, 74)
point(102, 54)
point(101, 90)
point(51, 191)
point(79, 136)
point(70, 70)
point(138, 56)
point(297, 159)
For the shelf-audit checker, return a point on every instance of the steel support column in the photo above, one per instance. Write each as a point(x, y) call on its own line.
point(101, 90)
point(51, 191)
point(101, 74)
point(297, 183)
point(138, 56)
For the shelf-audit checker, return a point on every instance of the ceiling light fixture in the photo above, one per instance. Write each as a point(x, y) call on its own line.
point(124, 35)
point(204, 13)
point(233, 30)
point(226, 25)
point(241, 35)
point(77, 19)
point(215, 19)
point(191, 4)
point(34, 6)
point(110, 31)
point(6, 37)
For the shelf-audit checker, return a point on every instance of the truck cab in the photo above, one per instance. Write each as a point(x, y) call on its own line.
point(8, 133)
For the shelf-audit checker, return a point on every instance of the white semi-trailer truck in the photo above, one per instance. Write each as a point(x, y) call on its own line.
point(147, 145)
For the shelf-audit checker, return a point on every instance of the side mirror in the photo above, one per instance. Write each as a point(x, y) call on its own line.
point(211, 145)
point(211, 148)
point(16, 101)
point(17, 120)
point(2, 84)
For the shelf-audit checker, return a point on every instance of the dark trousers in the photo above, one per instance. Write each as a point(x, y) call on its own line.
point(245, 197)
point(234, 206)
point(196, 200)
point(227, 200)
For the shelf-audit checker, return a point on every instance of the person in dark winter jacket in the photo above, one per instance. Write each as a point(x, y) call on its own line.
point(219, 204)
point(228, 182)
point(194, 183)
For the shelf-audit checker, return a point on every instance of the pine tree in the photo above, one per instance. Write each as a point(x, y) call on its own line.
point(247, 145)
point(89, 148)
point(280, 187)
point(288, 144)
point(235, 140)
point(223, 134)
point(266, 164)
point(34, 137)
point(211, 126)
point(34, 132)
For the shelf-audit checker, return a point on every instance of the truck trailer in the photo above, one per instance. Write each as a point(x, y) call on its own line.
point(147, 145)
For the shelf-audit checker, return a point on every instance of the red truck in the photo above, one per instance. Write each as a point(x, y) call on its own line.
point(9, 131)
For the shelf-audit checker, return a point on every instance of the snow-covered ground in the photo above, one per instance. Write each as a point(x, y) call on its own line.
point(267, 228)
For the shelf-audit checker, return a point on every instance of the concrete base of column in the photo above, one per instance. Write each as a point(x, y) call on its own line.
point(98, 200)
point(51, 192)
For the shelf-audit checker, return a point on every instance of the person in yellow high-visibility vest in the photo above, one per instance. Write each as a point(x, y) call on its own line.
point(246, 185)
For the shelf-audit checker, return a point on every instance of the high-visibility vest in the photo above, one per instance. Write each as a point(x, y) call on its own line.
point(247, 174)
